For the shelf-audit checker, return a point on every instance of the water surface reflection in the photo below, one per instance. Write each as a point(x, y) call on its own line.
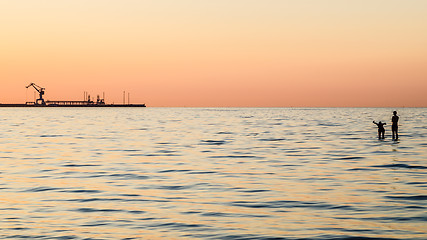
point(180, 173)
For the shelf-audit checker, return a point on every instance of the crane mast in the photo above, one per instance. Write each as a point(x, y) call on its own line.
point(40, 90)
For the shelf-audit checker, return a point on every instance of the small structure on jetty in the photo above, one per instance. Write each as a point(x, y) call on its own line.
point(87, 102)
point(39, 89)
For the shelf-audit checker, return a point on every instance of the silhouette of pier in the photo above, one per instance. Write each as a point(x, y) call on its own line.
point(87, 102)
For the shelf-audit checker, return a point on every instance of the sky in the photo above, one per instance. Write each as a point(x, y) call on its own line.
point(217, 53)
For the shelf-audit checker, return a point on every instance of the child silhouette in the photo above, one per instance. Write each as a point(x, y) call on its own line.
point(381, 129)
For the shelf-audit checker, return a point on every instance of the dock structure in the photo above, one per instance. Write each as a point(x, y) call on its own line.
point(67, 103)
point(100, 102)
point(73, 105)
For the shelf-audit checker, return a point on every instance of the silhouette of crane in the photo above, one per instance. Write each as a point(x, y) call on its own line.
point(39, 89)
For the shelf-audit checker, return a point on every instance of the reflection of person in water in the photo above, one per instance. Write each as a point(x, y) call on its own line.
point(381, 129)
point(394, 127)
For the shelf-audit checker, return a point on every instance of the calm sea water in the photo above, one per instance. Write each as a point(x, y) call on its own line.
point(207, 173)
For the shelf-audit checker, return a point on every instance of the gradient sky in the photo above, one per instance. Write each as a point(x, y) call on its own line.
point(217, 53)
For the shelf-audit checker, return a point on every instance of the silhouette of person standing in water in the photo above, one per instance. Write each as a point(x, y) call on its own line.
point(381, 129)
point(394, 127)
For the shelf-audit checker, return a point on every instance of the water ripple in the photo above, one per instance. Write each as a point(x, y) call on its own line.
point(400, 165)
point(196, 173)
point(411, 198)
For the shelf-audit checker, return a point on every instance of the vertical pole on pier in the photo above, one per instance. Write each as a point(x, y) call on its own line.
point(128, 98)
point(124, 96)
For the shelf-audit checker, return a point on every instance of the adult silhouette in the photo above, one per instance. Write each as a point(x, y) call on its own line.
point(394, 126)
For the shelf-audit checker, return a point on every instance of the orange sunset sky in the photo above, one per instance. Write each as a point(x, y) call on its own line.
point(217, 53)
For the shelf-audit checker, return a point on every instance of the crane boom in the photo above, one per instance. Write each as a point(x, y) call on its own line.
point(40, 90)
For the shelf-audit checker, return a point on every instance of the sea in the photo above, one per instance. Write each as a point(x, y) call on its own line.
point(212, 173)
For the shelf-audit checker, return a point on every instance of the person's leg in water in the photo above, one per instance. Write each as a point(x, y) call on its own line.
point(395, 135)
point(381, 134)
